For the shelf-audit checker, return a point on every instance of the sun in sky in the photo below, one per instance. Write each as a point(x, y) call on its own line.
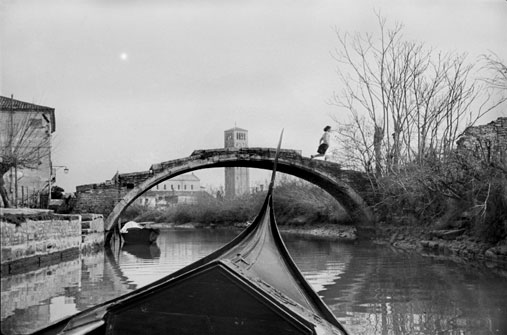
point(124, 56)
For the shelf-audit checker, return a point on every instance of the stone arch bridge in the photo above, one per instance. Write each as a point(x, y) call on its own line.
point(351, 189)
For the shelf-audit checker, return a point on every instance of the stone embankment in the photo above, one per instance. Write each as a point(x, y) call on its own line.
point(334, 232)
point(450, 243)
point(33, 238)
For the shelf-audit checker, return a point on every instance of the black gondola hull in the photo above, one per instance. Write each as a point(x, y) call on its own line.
point(140, 235)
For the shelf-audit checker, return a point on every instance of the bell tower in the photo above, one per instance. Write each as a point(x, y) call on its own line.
point(237, 181)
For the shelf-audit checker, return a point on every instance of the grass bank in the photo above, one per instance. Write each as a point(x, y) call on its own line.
point(297, 203)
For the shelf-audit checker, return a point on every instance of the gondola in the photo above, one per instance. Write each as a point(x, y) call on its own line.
point(249, 286)
point(135, 233)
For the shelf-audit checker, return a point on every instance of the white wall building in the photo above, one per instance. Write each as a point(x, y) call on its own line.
point(180, 189)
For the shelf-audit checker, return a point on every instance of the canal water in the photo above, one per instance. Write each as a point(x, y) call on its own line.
point(371, 289)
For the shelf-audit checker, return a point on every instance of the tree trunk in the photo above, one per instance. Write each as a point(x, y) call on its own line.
point(3, 192)
point(377, 147)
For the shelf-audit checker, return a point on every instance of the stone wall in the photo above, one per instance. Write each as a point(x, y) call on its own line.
point(487, 145)
point(39, 237)
point(488, 142)
point(92, 231)
point(30, 241)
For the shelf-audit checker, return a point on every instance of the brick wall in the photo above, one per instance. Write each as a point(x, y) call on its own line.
point(98, 198)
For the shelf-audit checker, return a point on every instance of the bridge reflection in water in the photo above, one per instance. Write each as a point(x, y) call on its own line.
point(372, 289)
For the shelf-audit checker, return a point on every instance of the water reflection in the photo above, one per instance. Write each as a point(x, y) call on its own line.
point(143, 251)
point(375, 290)
point(26, 298)
point(176, 248)
point(371, 289)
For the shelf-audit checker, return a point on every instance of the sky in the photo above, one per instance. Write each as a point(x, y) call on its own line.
point(135, 82)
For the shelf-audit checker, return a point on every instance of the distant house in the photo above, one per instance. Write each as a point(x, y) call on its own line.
point(18, 118)
point(181, 189)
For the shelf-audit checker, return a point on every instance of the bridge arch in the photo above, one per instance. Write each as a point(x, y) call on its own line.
point(349, 188)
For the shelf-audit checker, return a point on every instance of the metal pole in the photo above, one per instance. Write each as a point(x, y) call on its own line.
point(49, 182)
point(11, 140)
point(50, 166)
point(16, 182)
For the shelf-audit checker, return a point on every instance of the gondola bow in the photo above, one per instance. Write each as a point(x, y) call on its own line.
point(249, 286)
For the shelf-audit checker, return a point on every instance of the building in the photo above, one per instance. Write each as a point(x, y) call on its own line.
point(180, 189)
point(237, 180)
point(25, 136)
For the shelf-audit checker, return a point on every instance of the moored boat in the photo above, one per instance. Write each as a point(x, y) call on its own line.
point(135, 233)
point(249, 286)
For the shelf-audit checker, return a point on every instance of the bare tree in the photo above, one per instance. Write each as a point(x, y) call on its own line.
point(408, 105)
point(498, 70)
point(405, 101)
point(23, 145)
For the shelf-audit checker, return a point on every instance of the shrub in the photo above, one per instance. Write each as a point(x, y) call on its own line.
point(132, 212)
point(292, 198)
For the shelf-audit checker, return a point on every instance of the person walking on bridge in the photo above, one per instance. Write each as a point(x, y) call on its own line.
point(323, 143)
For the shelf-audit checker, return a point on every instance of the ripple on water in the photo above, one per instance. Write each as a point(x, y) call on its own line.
point(371, 289)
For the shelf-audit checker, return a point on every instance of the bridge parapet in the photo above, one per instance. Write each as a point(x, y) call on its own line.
point(290, 154)
point(225, 154)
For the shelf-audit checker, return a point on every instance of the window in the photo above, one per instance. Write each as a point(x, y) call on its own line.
point(184, 187)
point(165, 187)
point(191, 187)
point(178, 187)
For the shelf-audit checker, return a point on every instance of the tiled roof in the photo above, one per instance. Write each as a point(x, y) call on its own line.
point(8, 104)
point(13, 104)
